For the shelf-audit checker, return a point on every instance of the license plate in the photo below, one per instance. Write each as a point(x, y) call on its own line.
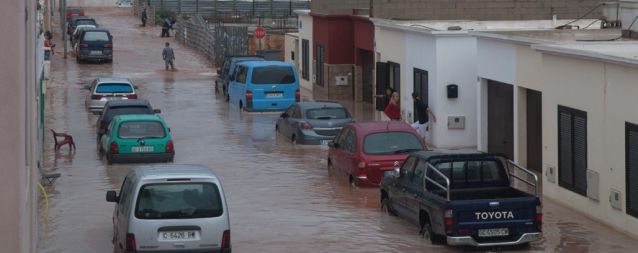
point(142, 149)
point(324, 142)
point(494, 232)
point(178, 236)
point(274, 95)
point(96, 52)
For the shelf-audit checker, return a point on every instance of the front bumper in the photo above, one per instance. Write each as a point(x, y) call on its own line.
point(468, 240)
point(143, 157)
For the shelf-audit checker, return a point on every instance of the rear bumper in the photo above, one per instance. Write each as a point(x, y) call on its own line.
point(469, 241)
point(313, 139)
point(138, 158)
point(86, 56)
point(363, 181)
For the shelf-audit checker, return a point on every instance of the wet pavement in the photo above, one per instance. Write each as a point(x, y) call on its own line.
point(281, 197)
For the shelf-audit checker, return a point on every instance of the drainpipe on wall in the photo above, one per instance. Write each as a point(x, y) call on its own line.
point(371, 8)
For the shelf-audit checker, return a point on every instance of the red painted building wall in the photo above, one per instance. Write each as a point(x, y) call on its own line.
point(341, 36)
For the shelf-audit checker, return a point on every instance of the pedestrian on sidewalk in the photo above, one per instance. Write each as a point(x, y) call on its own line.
point(144, 17)
point(422, 122)
point(169, 56)
point(47, 41)
point(166, 26)
point(393, 110)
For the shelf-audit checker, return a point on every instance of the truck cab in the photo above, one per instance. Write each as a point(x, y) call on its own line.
point(465, 198)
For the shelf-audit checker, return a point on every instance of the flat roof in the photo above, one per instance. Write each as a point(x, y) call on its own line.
point(553, 35)
point(464, 26)
point(618, 52)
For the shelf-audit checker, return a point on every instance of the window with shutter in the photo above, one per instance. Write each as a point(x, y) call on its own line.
point(572, 149)
point(305, 62)
point(381, 84)
point(631, 176)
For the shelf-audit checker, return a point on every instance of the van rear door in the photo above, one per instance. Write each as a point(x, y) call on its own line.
point(273, 87)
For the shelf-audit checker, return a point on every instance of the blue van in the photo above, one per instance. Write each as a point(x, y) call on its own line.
point(264, 86)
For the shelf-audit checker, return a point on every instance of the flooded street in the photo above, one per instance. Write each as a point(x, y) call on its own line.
point(281, 197)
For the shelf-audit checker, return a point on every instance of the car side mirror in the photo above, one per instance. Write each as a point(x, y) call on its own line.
point(333, 144)
point(157, 111)
point(111, 196)
point(284, 115)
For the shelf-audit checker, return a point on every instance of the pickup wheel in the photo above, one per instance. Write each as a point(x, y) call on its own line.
point(427, 232)
point(385, 206)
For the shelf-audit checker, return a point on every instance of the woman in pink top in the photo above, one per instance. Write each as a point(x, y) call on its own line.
point(392, 110)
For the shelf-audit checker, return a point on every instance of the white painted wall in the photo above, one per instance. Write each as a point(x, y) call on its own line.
point(291, 47)
point(496, 60)
point(305, 32)
point(390, 45)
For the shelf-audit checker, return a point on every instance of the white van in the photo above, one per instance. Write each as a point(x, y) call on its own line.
point(170, 208)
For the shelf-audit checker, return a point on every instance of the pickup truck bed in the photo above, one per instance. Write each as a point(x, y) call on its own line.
point(484, 193)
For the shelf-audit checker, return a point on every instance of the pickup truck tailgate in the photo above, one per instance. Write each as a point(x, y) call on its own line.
point(493, 220)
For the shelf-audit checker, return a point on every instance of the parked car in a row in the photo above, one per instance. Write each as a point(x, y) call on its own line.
point(315, 122)
point(76, 34)
point(264, 86)
point(228, 69)
point(94, 44)
point(79, 20)
point(115, 108)
point(137, 138)
point(170, 208)
point(105, 89)
point(73, 11)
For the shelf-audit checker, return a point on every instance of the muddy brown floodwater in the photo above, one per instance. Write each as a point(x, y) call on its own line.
point(281, 197)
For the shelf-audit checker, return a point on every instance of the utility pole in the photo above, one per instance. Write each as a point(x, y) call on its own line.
point(64, 25)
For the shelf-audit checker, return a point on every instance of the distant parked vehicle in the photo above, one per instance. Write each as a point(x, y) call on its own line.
point(122, 107)
point(313, 122)
point(264, 86)
point(105, 89)
point(137, 138)
point(73, 11)
point(228, 68)
point(465, 198)
point(364, 152)
point(170, 208)
point(77, 32)
point(79, 20)
point(94, 44)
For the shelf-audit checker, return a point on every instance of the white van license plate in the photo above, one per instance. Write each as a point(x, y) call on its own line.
point(96, 52)
point(495, 232)
point(142, 149)
point(178, 236)
point(274, 95)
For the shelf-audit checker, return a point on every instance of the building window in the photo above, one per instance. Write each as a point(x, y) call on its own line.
point(572, 149)
point(305, 63)
point(394, 75)
point(320, 61)
point(631, 167)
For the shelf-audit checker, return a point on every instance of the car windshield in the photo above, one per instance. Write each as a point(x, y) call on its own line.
point(273, 75)
point(470, 174)
point(114, 111)
point(327, 113)
point(141, 129)
point(391, 143)
point(178, 201)
point(114, 88)
point(96, 36)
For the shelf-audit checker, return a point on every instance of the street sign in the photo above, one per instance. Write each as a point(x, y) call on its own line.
point(259, 33)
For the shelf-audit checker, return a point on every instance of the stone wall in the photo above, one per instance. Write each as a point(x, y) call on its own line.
point(330, 90)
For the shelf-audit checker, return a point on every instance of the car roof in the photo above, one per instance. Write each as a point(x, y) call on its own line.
point(316, 104)
point(127, 102)
point(96, 30)
point(135, 117)
point(382, 126)
point(85, 26)
point(265, 63)
point(168, 171)
point(113, 80)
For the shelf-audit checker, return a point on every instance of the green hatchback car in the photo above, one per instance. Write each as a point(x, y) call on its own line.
point(137, 138)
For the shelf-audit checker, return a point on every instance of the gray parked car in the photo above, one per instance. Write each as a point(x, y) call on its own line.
point(170, 208)
point(315, 122)
point(107, 89)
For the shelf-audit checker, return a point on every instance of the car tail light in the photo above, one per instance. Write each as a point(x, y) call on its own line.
point(83, 45)
point(448, 221)
point(96, 97)
point(130, 243)
point(361, 165)
point(305, 125)
point(108, 45)
point(297, 95)
point(249, 98)
point(131, 96)
point(170, 148)
point(226, 241)
point(114, 148)
point(539, 218)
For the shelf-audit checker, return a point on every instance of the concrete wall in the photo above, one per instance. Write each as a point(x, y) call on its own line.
point(338, 6)
point(291, 48)
point(478, 10)
point(18, 232)
point(305, 32)
point(606, 92)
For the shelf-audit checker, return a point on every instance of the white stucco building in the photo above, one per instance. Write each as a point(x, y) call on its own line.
point(304, 49)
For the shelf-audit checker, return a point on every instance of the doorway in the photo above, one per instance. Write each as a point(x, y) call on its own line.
point(421, 88)
point(500, 118)
point(534, 130)
point(367, 65)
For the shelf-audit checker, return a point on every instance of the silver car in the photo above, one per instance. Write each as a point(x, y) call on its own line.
point(106, 89)
point(315, 122)
point(170, 208)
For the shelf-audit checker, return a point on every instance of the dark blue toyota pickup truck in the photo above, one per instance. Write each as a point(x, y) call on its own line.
point(465, 198)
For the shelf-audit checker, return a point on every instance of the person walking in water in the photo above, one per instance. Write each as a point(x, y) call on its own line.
point(168, 56)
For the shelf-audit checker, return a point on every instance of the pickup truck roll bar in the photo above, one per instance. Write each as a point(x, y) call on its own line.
point(528, 172)
point(447, 181)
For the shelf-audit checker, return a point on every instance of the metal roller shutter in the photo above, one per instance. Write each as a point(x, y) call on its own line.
point(631, 139)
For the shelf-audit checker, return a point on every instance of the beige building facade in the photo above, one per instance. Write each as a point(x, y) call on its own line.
point(20, 35)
